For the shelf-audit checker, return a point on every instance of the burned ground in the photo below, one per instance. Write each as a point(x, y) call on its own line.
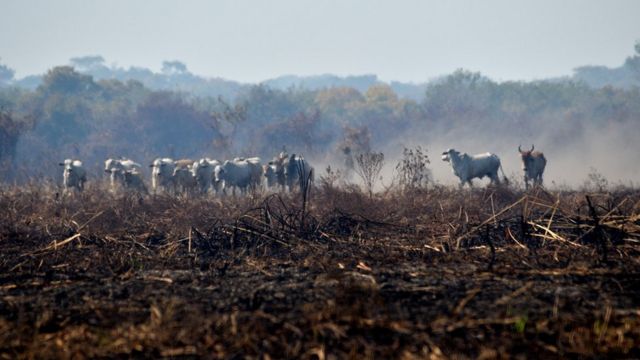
point(438, 273)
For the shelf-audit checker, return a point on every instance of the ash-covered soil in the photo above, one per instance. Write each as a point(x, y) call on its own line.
point(437, 273)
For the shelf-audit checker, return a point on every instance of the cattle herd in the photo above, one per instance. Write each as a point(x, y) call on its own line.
point(197, 177)
point(467, 167)
point(284, 172)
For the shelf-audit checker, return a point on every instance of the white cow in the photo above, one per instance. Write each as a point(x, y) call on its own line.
point(74, 175)
point(218, 185)
point(255, 163)
point(297, 171)
point(239, 173)
point(130, 180)
point(533, 164)
point(133, 181)
point(203, 172)
point(467, 167)
point(122, 163)
point(162, 174)
point(275, 173)
point(183, 179)
point(116, 169)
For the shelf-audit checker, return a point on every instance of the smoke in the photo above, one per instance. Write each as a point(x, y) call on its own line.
point(611, 150)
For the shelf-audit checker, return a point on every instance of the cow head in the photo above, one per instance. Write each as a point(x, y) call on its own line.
point(269, 172)
point(67, 165)
point(109, 164)
point(526, 156)
point(449, 153)
point(199, 168)
point(220, 171)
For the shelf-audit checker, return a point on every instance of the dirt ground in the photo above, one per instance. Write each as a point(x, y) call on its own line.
point(436, 273)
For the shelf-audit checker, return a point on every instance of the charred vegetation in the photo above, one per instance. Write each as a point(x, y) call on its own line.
point(330, 271)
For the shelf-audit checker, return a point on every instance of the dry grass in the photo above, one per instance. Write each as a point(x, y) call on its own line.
point(439, 273)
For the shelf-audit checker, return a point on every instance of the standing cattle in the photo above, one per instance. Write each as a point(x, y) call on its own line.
point(467, 167)
point(128, 179)
point(255, 164)
point(183, 179)
point(203, 172)
point(133, 181)
point(270, 173)
point(162, 174)
point(297, 170)
point(74, 175)
point(122, 164)
point(275, 172)
point(533, 164)
point(116, 168)
point(240, 173)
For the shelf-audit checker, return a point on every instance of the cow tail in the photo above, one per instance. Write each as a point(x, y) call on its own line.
point(506, 180)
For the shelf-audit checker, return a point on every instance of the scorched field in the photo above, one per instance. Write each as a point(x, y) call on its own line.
point(437, 273)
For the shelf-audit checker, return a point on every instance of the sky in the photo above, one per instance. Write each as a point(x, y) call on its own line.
point(252, 41)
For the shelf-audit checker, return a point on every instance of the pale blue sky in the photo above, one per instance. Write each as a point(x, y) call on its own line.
point(251, 41)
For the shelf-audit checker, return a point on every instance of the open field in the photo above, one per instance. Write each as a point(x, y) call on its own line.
point(439, 273)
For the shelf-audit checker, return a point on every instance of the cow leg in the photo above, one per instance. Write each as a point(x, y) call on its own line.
point(495, 179)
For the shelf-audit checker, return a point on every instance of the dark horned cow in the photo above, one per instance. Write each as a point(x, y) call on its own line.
point(467, 167)
point(533, 164)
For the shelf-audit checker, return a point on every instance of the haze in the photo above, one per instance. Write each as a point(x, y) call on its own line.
point(251, 41)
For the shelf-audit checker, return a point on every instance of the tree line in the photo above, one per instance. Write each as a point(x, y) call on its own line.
point(71, 114)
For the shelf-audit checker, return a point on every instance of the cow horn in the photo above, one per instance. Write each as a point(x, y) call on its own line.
point(519, 148)
point(531, 147)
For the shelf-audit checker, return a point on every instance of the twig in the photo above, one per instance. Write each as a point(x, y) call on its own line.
point(463, 236)
point(505, 299)
point(470, 295)
point(90, 220)
point(56, 244)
